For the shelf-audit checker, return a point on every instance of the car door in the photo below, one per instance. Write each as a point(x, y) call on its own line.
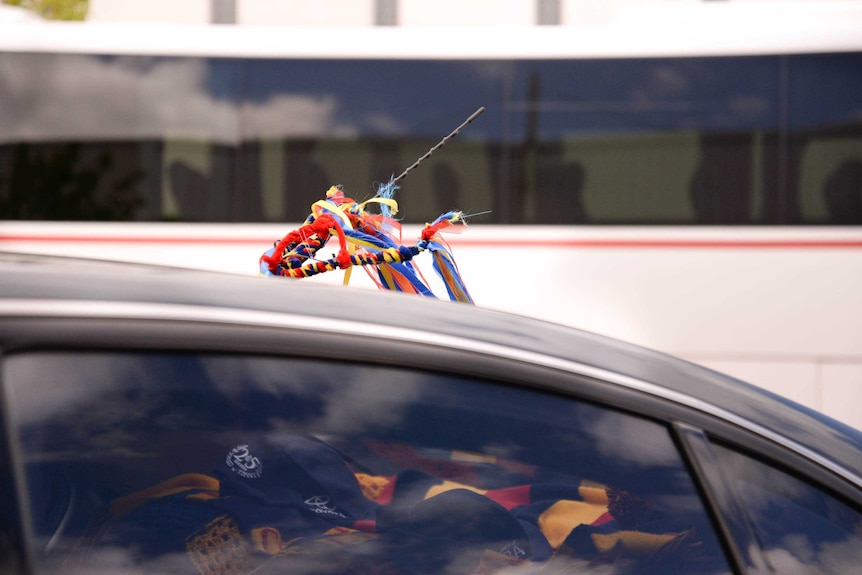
point(147, 446)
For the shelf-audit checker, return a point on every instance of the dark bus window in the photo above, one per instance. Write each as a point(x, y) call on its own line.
point(757, 140)
point(179, 463)
point(825, 144)
point(800, 528)
point(643, 141)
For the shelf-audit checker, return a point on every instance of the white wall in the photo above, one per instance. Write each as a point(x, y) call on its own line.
point(322, 12)
point(14, 14)
point(586, 11)
point(179, 12)
point(306, 12)
point(443, 12)
point(466, 13)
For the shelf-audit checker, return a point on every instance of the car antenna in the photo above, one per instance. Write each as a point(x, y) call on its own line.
point(440, 144)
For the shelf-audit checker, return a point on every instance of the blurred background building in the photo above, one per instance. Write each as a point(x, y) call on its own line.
point(377, 12)
point(368, 12)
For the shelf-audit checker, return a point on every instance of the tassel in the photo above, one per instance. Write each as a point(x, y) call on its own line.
point(370, 240)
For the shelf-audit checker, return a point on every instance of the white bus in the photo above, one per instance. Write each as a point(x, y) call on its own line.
point(693, 188)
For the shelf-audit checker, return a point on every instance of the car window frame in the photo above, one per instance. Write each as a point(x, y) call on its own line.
point(14, 552)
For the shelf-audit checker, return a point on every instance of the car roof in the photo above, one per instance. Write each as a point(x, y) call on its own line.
point(46, 278)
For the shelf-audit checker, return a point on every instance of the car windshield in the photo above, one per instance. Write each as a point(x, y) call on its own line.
point(203, 463)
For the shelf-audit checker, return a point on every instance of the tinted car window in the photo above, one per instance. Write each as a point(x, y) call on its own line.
point(191, 463)
point(800, 528)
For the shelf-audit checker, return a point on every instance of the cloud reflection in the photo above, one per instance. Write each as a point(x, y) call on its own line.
point(634, 440)
point(802, 556)
point(43, 388)
point(133, 98)
point(354, 400)
point(110, 560)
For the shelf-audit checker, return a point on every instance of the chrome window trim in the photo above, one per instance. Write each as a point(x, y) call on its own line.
point(81, 309)
point(732, 522)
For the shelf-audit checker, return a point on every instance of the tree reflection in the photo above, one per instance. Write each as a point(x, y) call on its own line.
point(60, 183)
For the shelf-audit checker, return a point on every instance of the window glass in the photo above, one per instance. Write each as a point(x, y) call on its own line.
point(690, 140)
point(212, 464)
point(800, 528)
point(825, 148)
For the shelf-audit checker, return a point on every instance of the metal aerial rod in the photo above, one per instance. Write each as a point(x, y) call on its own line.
point(441, 143)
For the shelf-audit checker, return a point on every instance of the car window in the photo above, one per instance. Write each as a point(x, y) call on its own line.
point(800, 528)
point(211, 464)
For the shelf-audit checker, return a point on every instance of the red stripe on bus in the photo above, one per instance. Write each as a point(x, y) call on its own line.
point(470, 242)
point(131, 240)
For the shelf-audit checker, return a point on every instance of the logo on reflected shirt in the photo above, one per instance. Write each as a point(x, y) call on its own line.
point(512, 549)
point(322, 505)
point(243, 463)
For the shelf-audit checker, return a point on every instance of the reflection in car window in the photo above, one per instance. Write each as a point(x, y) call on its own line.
point(145, 463)
point(801, 528)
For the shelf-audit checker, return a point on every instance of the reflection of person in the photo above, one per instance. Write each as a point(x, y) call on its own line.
point(843, 193)
point(190, 188)
point(559, 184)
point(447, 188)
point(720, 186)
point(305, 179)
point(75, 181)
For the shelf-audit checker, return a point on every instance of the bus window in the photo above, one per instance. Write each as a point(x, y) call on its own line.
point(731, 140)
